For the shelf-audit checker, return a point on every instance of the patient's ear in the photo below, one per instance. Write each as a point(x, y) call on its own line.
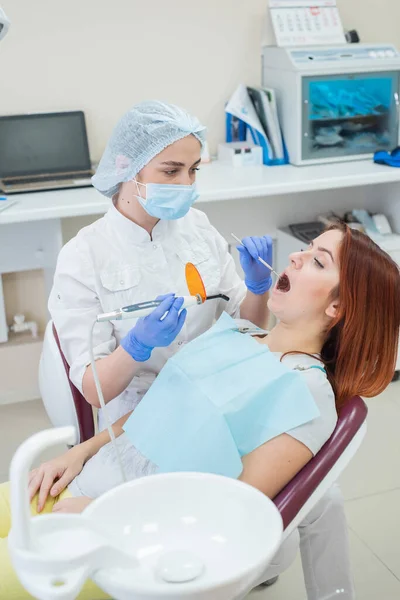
point(332, 309)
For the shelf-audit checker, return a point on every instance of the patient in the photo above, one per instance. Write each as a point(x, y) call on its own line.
point(338, 308)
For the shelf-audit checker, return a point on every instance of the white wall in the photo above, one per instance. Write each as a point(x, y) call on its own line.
point(103, 56)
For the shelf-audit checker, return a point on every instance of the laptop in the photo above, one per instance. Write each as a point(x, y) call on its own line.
point(44, 151)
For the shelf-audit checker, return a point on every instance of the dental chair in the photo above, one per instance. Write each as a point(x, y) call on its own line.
point(65, 405)
point(63, 402)
point(296, 500)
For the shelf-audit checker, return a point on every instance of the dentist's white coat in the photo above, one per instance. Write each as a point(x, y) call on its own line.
point(113, 263)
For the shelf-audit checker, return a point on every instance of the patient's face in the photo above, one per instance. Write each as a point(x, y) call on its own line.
point(304, 290)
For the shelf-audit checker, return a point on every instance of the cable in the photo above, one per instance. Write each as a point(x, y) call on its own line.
point(103, 404)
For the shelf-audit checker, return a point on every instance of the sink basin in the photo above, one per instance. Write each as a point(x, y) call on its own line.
point(175, 535)
point(193, 535)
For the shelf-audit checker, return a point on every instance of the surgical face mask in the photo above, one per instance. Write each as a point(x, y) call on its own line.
point(167, 201)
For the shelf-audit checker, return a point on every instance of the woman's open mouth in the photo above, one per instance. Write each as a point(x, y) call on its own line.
point(283, 283)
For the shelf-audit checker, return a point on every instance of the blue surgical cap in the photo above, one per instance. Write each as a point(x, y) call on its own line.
point(142, 133)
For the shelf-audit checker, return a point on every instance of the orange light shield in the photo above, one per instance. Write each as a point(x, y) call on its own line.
point(194, 282)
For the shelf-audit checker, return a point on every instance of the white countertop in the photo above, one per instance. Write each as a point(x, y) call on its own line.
point(216, 182)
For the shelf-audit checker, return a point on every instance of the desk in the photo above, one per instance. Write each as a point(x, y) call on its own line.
point(30, 231)
point(216, 183)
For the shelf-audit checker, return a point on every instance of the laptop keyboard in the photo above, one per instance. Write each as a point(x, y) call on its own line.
point(64, 178)
point(47, 185)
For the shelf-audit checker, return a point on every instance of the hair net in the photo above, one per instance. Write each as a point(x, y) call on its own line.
point(141, 134)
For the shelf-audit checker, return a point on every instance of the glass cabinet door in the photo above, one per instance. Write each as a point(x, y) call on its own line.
point(352, 114)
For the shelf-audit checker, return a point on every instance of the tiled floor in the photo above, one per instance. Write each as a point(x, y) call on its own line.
point(371, 486)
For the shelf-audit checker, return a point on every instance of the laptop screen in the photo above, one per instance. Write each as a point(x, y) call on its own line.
point(37, 144)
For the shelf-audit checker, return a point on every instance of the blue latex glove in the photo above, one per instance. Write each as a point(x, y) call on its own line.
point(258, 278)
point(151, 332)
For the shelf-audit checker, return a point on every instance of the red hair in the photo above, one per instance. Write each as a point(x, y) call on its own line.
point(360, 350)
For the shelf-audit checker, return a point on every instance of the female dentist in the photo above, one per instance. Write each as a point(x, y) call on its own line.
point(138, 251)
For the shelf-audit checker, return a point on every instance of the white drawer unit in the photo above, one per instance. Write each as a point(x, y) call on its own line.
point(28, 246)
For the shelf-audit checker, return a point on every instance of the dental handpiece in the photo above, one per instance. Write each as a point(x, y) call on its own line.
point(136, 311)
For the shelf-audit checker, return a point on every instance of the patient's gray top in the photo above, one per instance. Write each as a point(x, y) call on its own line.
point(101, 473)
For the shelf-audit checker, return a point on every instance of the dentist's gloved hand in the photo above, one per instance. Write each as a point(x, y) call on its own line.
point(151, 332)
point(258, 278)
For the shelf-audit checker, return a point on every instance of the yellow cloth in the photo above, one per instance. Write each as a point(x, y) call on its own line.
point(10, 587)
